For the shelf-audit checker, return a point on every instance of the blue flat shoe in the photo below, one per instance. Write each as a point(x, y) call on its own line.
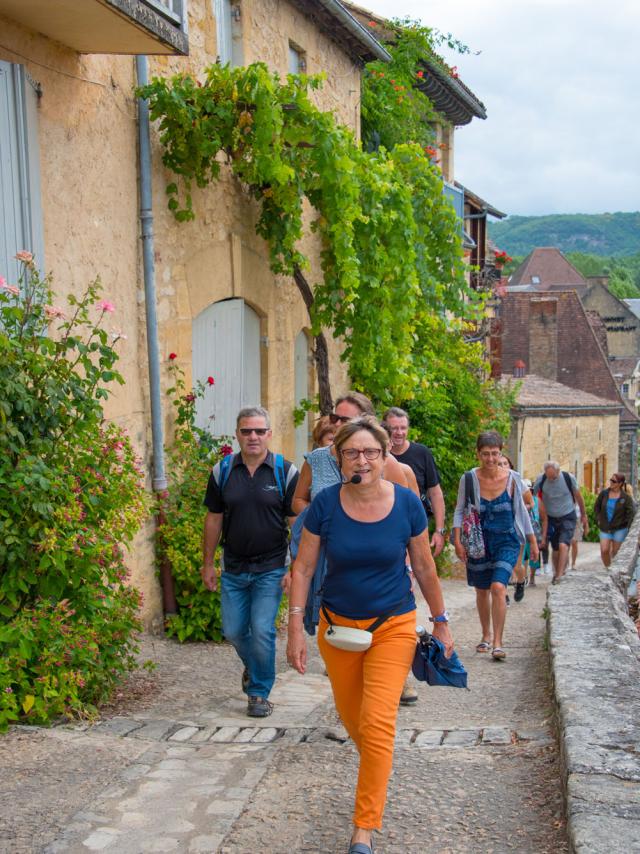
point(361, 848)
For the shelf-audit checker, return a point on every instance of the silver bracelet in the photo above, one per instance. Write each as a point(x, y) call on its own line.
point(296, 609)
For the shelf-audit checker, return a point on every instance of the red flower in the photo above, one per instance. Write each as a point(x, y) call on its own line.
point(372, 24)
point(225, 450)
point(454, 72)
point(420, 74)
point(210, 381)
point(189, 398)
point(173, 356)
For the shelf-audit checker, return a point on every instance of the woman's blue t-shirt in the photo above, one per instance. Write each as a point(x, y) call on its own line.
point(611, 508)
point(366, 565)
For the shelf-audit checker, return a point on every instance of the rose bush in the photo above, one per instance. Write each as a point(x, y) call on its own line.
point(190, 459)
point(71, 499)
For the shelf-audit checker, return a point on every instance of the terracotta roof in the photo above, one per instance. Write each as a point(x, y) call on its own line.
point(449, 95)
point(541, 393)
point(545, 269)
point(623, 367)
point(599, 328)
point(356, 39)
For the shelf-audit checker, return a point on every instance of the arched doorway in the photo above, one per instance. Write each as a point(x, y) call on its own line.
point(226, 346)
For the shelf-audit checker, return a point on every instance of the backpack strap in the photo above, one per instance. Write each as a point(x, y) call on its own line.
point(226, 464)
point(278, 468)
point(567, 480)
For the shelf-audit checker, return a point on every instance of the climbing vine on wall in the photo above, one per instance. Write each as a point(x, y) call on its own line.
point(391, 251)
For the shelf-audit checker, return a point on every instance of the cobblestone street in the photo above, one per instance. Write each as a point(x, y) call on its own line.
point(175, 765)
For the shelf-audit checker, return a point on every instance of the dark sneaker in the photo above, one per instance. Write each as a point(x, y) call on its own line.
point(259, 707)
point(409, 695)
point(518, 596)
point(245, 680)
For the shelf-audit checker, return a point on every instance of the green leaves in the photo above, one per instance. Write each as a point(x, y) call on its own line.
point(71, 493)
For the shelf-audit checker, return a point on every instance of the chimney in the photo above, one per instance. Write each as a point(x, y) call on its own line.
point(519, 369)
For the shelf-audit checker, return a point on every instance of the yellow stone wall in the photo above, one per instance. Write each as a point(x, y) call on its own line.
point(88, 147)
point(573, 441)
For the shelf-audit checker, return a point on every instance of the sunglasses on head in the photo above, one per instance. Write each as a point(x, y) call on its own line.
point(334, 418)
point(259, 431)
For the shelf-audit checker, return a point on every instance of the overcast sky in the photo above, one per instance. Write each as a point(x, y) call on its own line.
point(560, 81)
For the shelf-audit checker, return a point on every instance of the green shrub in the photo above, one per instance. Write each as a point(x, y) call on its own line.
point(589, 502)
point(189, 461)
point(71, 497)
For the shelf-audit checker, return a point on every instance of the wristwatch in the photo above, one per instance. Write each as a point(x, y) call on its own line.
point(441, 531)
point(441, 618)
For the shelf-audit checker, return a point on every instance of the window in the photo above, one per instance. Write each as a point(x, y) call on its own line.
point(625, 389)
point(535, 280)
point(297, 60)
point(226, 346)
point(228, 32)
point(20, 211)
point(172, 9)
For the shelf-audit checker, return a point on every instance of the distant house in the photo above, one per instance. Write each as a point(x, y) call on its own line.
point(553, 421)
point(551, 334)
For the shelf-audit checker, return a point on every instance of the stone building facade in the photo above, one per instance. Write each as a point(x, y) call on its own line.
point(550, 334)
point(551, 421)
point(81, 127)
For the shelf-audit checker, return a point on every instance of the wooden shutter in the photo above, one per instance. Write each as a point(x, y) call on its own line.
point(226, 346)
point(20, 203)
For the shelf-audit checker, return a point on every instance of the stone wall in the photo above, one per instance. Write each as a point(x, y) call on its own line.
point(88, 145)
point(595, 659)
point(573, 441)
point(621, 324)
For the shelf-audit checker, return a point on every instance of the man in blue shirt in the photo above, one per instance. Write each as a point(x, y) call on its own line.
point(249, 504)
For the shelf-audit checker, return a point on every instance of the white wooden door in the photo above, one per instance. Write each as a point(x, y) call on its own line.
point(301, 383)
point(226, 346)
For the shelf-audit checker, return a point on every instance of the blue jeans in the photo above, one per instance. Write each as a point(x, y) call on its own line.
point(250, 602)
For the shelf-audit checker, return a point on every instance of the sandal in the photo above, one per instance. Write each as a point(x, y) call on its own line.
point(483, 646)
point(498, 654)
point(361, 848)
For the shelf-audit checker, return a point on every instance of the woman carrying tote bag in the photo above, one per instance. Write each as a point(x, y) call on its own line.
point(490, 525)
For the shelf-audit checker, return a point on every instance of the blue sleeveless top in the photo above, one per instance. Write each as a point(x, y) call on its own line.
point(324, 470)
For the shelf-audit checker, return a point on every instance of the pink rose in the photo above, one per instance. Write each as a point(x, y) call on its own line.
point(24, 256)
point(105, 305)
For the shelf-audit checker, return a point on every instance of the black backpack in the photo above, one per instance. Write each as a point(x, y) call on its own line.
point(567, 480)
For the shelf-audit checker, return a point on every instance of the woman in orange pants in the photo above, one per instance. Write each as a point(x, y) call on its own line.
point(367, 524)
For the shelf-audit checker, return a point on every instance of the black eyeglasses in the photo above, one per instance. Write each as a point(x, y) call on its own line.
point(334, 418)
point(259, 431)
point(354, 453)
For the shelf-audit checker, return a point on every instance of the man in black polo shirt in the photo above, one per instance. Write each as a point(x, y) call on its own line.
point(420, 459)
point(249, 502)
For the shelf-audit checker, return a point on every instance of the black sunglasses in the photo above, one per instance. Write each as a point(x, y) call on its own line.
point(334, 418)
point(259, 431)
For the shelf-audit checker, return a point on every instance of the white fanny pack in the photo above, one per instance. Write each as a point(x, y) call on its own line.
point(350, 639)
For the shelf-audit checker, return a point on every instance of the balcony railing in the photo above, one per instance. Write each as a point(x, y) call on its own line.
point(105, 26)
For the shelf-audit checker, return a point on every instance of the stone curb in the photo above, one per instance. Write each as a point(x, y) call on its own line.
point(595, 662)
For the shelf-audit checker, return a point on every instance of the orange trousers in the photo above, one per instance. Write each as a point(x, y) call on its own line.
point(366, 689)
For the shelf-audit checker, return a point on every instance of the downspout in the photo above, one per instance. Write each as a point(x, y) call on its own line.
point(159, 480)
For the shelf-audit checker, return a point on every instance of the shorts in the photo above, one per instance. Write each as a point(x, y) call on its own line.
point(617, 536)
point(562, 530)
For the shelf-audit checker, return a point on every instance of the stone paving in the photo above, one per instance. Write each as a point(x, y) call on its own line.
point(179, 767)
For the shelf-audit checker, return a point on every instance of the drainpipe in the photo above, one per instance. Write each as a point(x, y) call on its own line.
point(146, 222)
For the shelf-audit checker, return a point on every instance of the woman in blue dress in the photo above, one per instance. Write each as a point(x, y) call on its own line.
point(506, 526)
